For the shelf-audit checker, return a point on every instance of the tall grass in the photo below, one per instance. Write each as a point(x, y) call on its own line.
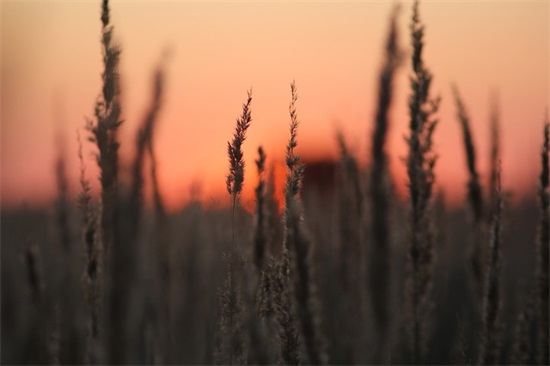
point(379, 255)
point(475, 195)
point(289, 336)
point(260, 244)
point(160, 248)
point(92, 256)
point(494, 157)
point(235, 178)
point(104, 134)
point(298, 241)
point(351, 216)
point(148, 286)
point(232, 348)
point(287, 331)
point(39, 336)
point(420, 169)
point(492, 303)
point(104, 128)
point(543, 250)
point(71, 347)
point(475, 192)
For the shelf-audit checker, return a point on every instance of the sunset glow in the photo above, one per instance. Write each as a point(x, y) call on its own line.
point(51, 66)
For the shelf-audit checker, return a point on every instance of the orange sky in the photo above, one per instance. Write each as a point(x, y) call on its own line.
point(51, 65)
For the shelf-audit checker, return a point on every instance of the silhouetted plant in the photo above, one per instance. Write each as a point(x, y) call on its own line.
point(298, 243)
point(492, 303)
point(379, 247)
point(494, 152)
point(544, 250)
point(235, 178)
point(104, 129)
point(232, 349)
point(259, 214)
point(420, 164)
point(475, 193)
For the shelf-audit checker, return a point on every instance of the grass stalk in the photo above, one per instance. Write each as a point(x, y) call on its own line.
point(475, 193)
point(288, 334)
point(494, 157)
point(260, 241)
point(149, 126)
point(298, 243)
point(543, 251)
point(379, 253)
point(350, 200)
point(235, 178)
point(351, 211)
point(231, 349)
point(104, 130)
point(104, 135)
point(92, 256)
point(70, 331)
point(287, 331)
point(490, 342)
point(420, 164)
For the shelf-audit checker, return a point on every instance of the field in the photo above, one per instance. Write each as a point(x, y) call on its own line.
point(336, 267)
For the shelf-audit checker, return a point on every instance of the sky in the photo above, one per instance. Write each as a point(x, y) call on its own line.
point(51, 64)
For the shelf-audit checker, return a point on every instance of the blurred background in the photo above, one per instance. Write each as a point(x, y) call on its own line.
point(51, 67)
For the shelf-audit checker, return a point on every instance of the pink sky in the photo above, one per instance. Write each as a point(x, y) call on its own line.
point(51, 66)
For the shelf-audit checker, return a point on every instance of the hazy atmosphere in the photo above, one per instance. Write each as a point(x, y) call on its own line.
point(51, 67)
point(275, 182)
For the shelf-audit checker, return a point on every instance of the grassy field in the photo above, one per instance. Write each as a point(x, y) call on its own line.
point(343, 271)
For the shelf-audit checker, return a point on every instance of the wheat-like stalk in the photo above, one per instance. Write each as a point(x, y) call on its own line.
point(544, 250)
point(420, 164)
point(475, 194)
point(350, 215)
point(288, 334)
point(89, 224)
point(351, 211)
point(144, 149)
point(40, 336)
point(490, 342)
point(260, 242)
point(34, 279)
point(104, 129)
point(104, 135)
point(231, 349)
point(298, 242)
point(70, 347)
point(304, 288)
point(287, 331)
point(235, 178)
point(295, 167)
point(62, 202)
point(158, 87)
point(494, 120)
point(295, 171)
point(144, 142)
point(92, 255)
point(379, 253)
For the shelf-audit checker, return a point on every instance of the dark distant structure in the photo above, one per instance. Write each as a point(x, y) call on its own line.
point(320, 176)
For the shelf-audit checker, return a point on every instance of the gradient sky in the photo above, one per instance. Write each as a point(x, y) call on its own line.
point(51, 66)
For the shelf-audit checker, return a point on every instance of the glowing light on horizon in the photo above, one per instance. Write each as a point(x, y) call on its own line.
point(332, 50)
